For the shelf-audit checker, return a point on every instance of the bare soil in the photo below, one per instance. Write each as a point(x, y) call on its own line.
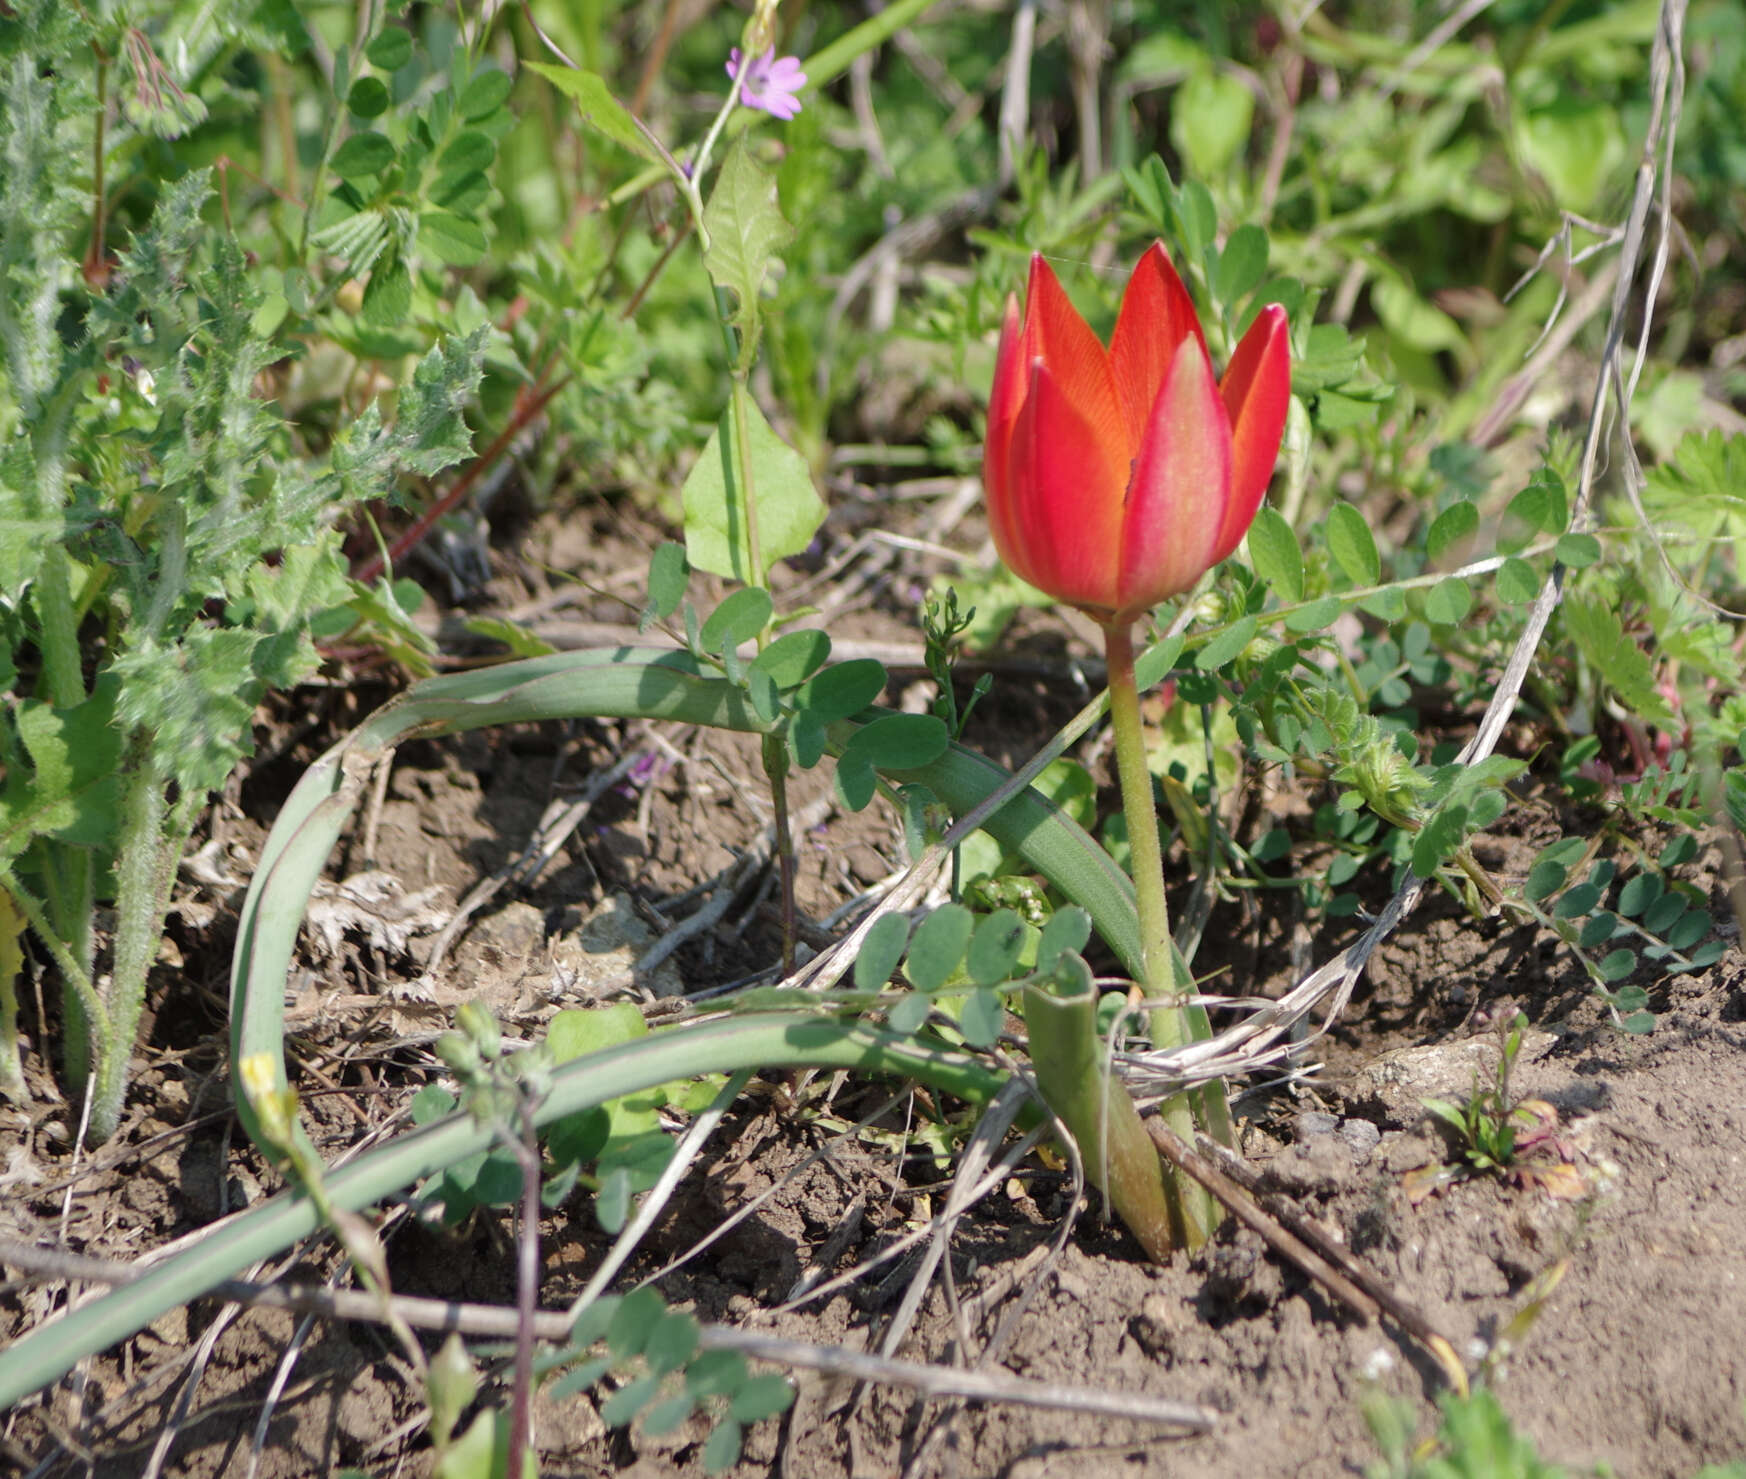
point(1637, 1357)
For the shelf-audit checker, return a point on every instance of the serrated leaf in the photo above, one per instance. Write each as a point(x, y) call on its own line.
point(1352, 545)
point(1274, 552)
point(1597, 631)
point(746, 230)
point(789, 510)
point(600, 110)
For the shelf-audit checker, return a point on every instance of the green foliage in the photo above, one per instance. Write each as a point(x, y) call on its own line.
point(160, 515)
point(1474, 1440)
point(664, 1375)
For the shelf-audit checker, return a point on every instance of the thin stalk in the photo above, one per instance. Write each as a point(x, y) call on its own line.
point(527, 1286)
point(776, 768)
point(1171, 1026)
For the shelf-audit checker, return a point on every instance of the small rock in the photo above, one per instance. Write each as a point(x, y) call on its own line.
point(1361, 1138)
point(1157, 1324)
point(1320, 1164)
point(598, 958)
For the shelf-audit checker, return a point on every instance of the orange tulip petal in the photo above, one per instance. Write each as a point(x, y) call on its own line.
point(1256, 392)
point(1176, 504)
point(1077, 360)
point(1156, 316)
point(1063, 527)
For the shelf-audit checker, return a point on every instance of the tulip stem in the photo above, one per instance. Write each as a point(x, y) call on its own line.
point(1164, 980)
point(1143, 845)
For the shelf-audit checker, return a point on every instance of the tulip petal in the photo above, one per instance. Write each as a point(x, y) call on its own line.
point(1256, 392)
point(1157, 315)
point(1077, 360)
point(1176, 503)
point(1005, 400)
point(1063, 524)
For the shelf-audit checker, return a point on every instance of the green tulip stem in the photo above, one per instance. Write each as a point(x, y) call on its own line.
point(1168, 1031)
point(1171, 1027)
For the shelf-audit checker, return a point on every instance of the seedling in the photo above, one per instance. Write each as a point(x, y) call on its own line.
point(1498, 1135)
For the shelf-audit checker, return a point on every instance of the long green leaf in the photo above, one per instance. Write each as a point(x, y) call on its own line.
point(619, 683)
point(779, 1040)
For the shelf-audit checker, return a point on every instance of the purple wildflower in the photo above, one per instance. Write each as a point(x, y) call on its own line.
point(772, 83)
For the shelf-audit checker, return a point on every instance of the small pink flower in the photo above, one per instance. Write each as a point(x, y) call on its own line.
point(772, 83)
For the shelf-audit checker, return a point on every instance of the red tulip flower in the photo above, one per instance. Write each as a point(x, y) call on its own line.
point(1117, 477)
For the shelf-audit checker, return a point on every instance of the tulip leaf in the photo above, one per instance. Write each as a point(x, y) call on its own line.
point(746, 230)
point(1352, 545)
point(600, 110)
point(789, 510)
point(1274, 552)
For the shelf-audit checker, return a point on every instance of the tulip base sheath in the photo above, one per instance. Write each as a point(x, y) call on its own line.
point(1120, 1159)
